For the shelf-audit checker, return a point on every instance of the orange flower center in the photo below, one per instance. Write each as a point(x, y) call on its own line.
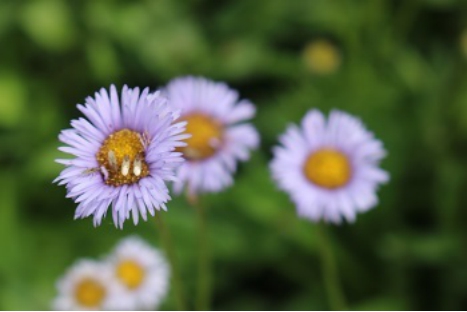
point(328, 168)
point(130, 273)
point(122, 157)
point(89, 293)
point(206, 137)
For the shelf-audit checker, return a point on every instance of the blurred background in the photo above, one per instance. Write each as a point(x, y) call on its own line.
point(399, 65)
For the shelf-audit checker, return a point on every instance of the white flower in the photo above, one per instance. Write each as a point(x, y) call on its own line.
point(142, 271)
point(329, 168)
point(89, 285)
point(220, 138)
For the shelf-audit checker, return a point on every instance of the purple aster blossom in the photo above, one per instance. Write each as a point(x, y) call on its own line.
point(220, 138)
point(124, 152)
point(329, 168)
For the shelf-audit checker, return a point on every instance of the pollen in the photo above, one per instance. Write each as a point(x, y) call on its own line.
point(206, 137)
point(321, 57)
point(328, 168)
point(89, 293)
point(130, 273)
point(121, 158)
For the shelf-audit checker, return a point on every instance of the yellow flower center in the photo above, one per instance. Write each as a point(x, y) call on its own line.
point(463, 42)
point(321, 57)
point(206, 137)
point(328, 168)
point(130, 273)
point(89, 293)
point(122, 157)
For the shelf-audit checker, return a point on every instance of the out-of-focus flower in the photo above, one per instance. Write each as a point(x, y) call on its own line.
point(329, 168)
point(142, 271)
point(321, 57)
point(219, 138)
point(89, 285)
point(463, 43)
point(124, 152)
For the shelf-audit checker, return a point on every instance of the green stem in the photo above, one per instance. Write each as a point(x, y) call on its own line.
point(204, 260)
point(405, 18)
point(330, 274)
point(168, 246)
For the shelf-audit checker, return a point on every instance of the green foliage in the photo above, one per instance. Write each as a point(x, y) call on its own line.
point(403, 72)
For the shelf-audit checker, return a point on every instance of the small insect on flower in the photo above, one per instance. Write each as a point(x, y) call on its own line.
point(219, 138)
point(124, 152)
point(329, 168)
point(89, 285)
point(142, 271)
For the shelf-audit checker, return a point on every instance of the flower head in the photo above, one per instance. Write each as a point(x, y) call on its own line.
point(329, 168)
point(89, 285)
point(142, 271)
point(463, 43)
point(218, 137)
point(124, 152)
point(321, 57)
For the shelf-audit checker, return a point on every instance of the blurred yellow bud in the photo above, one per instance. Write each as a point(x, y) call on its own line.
point(463, 43)
point(321, 57)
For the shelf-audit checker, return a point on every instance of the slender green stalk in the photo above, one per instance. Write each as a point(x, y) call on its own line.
point(405, 18)
point(203, 299)
point(330, 273)
point(168, 246)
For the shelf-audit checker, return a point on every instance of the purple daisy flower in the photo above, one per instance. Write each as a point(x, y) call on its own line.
point(329, 168)
point(124, 151)
point(218, 137)
point(143, 271)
